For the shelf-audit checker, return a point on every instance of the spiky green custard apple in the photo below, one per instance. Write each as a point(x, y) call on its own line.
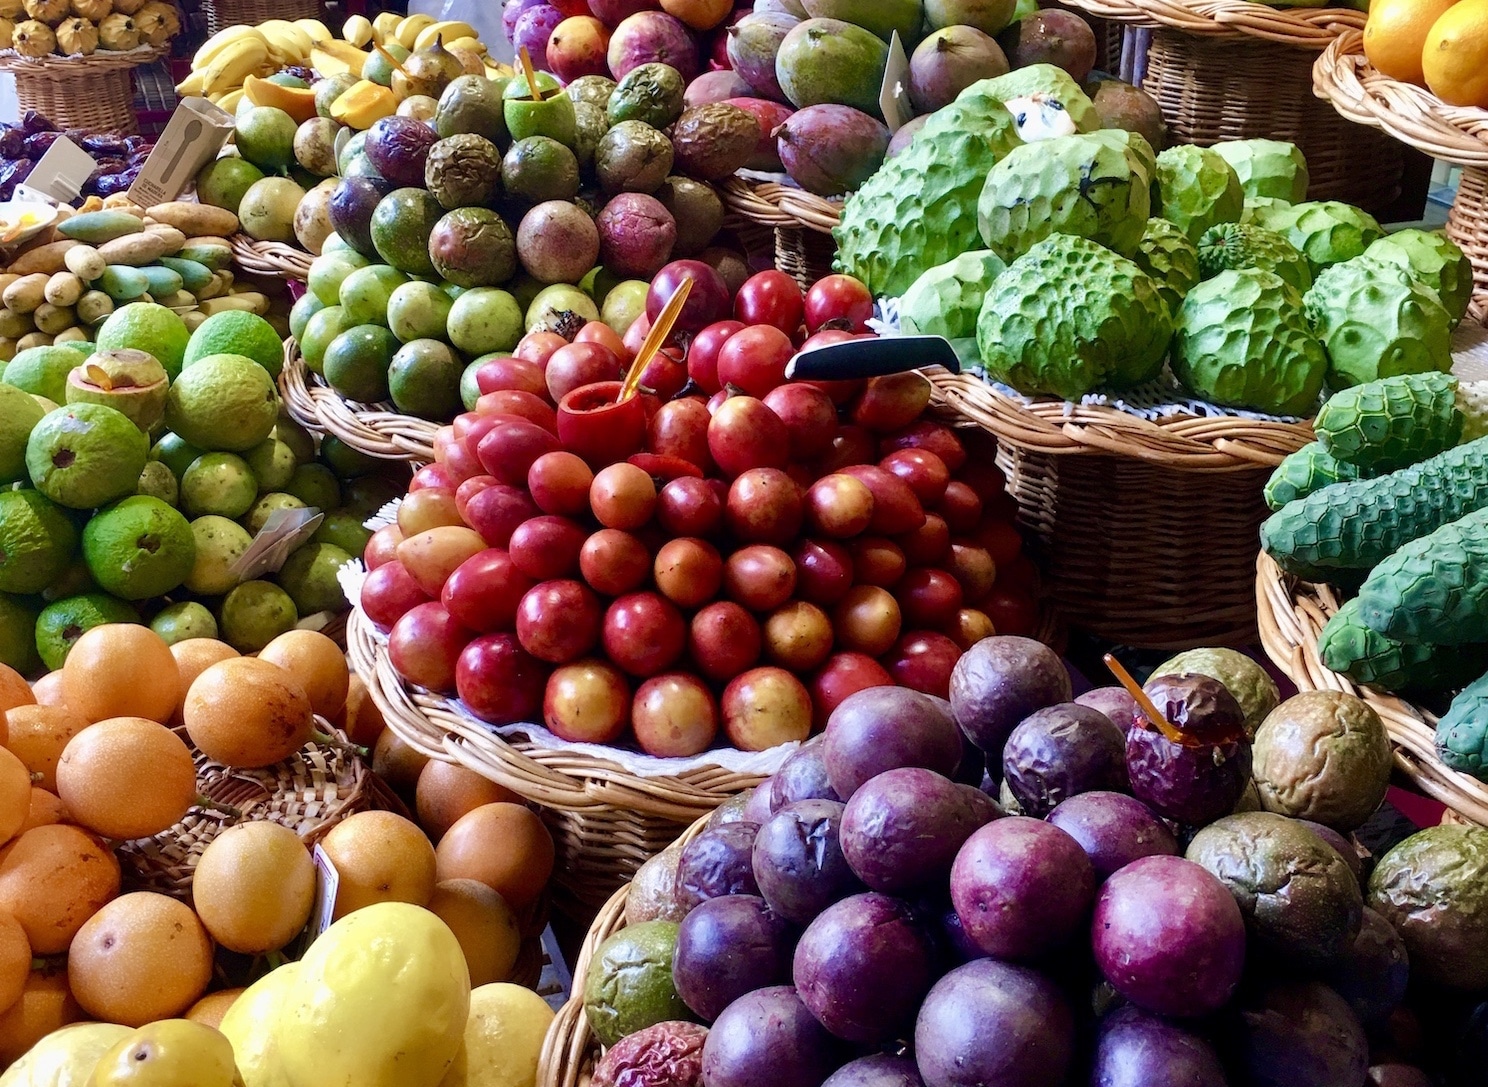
point(1376, 320)
point(946, 300)
point(1267, 168)
point(1195, 189)
point(1236, 245)
point(1166, 254)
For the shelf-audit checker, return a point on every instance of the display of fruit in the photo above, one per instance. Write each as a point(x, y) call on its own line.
point(1434, 44)
point(43, 27)
point(22, 143)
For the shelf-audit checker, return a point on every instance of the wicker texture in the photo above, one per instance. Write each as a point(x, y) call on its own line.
point(802, 223)
point(1415, 116)
point(270, 258)
point(1292, 615)
point(374, 429)
point(94, 92)
point(225, 13)
point(1301, 28)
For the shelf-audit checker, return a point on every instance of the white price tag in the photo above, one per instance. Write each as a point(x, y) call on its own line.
point(893, 97)
point(62, 171)
point(327, 883)
point(284, 531)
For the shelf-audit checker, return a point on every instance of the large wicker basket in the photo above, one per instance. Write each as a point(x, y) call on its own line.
point(1292, 615)
point(570, 1049)
point(801, 224)
point(94, 92)
point(224, 13)
point(270, 258)
point(1233, 69)
point(375, 429)
point(1417, 117)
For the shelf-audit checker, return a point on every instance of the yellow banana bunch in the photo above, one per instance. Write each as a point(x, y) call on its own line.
point(220, 41)
point(234, 64)
point(445, 31)
point(317, 30)
point(287, 43)
point(385, 27)
point(358, 31)
point(410, 27)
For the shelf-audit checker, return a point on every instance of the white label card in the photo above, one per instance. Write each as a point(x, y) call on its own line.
point(327, 883)
point(893, 98)
point(62, 171)
point(284, 531)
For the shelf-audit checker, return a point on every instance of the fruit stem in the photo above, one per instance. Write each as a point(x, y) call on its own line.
point(204, 801)
point(327, 740)
point(1148, 707)
point(392, 60)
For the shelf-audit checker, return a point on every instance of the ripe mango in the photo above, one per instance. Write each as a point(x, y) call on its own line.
point(298, 102)
point(363, 105)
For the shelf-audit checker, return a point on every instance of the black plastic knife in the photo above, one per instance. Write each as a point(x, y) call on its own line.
point(872, 358)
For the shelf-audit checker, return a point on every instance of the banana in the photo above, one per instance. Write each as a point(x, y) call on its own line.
point(220, 41)
point(317, 30)
point(384, 28)
point(286, 38)
point(474, 45)
point(235, 64)
point(446, 30)
point(410, 28)
point(193, 84)
point(228, 101)
point(249, 302)
point(358, 30)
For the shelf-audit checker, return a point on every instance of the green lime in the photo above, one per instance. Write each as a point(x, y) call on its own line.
point(138, 548)
point(188, 619)
point(237, 332)
point(84, 455)
point(265, 137)
point(315, 485)
point(417, 311)
point(345, 530)
point(82, 346)
point(218, 483)
point(424, 380)
point(158, 481)
point(36, 541)
point(365, 293)
point(346, 461)
point(309, 577)
point(329, 270)
point(266, 507)
point(18, 635)
point(62, 623)
point(356, 363)
point(220, 543)
point(175, 452)
point(223, 402)
point(301, 312)
point(368, 494)
point(377, 67)
point(223, 182)
point(272, 463)
point(254, 614)
point(292, 434)
point(19, 414)
point(485, 319)
point(469, 390)
point(323, 327)
point(147, 327)
point(42, 371)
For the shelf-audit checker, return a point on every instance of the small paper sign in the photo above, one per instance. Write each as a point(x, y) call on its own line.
point(25, 194)
point(893, 98)
point(327, 883)
point(62, 171)
point(194, 134)
point(284, 531)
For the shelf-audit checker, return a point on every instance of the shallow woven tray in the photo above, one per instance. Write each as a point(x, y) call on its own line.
point(1415, 116)
point(374, 429)
point(270, 258)
point(802, 224)
point(94, 92)
point(1292, 615)
point(570, 1049)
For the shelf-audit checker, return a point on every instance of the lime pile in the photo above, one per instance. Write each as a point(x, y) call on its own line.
point(109, 522)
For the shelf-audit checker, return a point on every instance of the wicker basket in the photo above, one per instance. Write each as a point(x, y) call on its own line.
point(1147, 530)
point(270, 258)
point(94, 92)
point(374, 429)
point(570, 1050)
point(1417, 117)
point(1232, 69)
point(224, 13)
point(802, 224)
point(1292, 615)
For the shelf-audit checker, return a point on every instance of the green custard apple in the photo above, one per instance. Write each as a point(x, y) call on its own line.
point(1196, 189)
point(1241, 340)
point(1267, 168)
point(1071, 316)
point(1435, 260)
point(1168, 256)
point(1048, 80)
point(1238, 245)
point(1327, 232)
point(946, 300)
point(1376, 321)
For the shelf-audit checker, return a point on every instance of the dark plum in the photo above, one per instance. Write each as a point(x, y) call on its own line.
point(803, 776)
point(1300, 1034)
point(877, 1070)
point(1138, 1049)
point(757, 807)
point(1114, 829)
point(1115, 703)
point(798, 861)
point(718, 862)
point(883, 728)
point(903, 828)
point(1373, 973)
point(767, 1037)
point(727, 947)
point(1001, 680)
point(1200, 707)
point(1060, 751)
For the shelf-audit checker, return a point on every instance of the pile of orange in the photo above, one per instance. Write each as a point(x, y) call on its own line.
point(1438, 44)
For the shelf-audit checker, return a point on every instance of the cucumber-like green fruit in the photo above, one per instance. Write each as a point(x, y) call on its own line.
point(95, 227)
point(1349, 646)
point(1435, 588)
point(1309, 469)
point(215, 257)
point(194, 275)
point(122, 283)
point(1391, 423)
point(1462, 732)
point(162, 281)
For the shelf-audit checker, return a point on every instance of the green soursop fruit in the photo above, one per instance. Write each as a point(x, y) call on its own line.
point(1196, 189)
point(1348, 646)
point(1236, 245)
point(1391, 423)
point(1166, 254)
point(1326, 232)
point(1435, 260)
point(1133, 142)
point(920, 209)
point(1043, 79)
point(946, 300)
point(1376, 321)
point(1267, 168)
point(1241, 340)
point(1079, 185)
point(1309, 469)
point(1070, 316)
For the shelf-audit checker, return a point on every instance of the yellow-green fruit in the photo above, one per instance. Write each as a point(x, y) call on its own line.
point(66, 1057)
point(503, 1038)
point(169, 1053)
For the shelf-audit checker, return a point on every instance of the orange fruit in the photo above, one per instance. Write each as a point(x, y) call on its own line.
point(15, 960)
point(193, 657)
point(505, 846)
point(15, 795)
point(52, 879)
point(126, 778)
point(1395, 36)
point(44, 810)
point(254, 887)
point(210, 1009)
point(483, 923)
point(380, 857)
point(14, 690)
point(121, 670)
point(247, 712)
point(447, 790)
point(37, 736)
point(397, 763)
point(360, 718)
point(48, 690)
point(143, 957)
point(46, 1004)
point(317, 662)
point(1455, 57)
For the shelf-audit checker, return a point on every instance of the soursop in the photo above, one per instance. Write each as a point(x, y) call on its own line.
point(1376, 321)
point(1241, 340)
point(1070, 316)
point(1235, 245)
point(1267, 168)
point(1041, 81)
point(1080, 185)
point(1136, 144)
point(1196, 189)
point(1309, 469)
point(1327, 232)
point(946, 300)
point(1435, 260)
point(920, 209)
point(1166, 254)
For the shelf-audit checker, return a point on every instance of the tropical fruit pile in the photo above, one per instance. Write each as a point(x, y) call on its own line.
point(119, 158)
point(37, 28)
point(1438, 44)
point(103, 753)
point(1168, 892)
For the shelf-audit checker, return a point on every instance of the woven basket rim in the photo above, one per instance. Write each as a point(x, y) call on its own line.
point(270, 258)
point(1224, 443)
point(772, 204)
point(76, 66)
point(1292, 613)
point(1413, 115)
point(1300, 28)
point(375, 429)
